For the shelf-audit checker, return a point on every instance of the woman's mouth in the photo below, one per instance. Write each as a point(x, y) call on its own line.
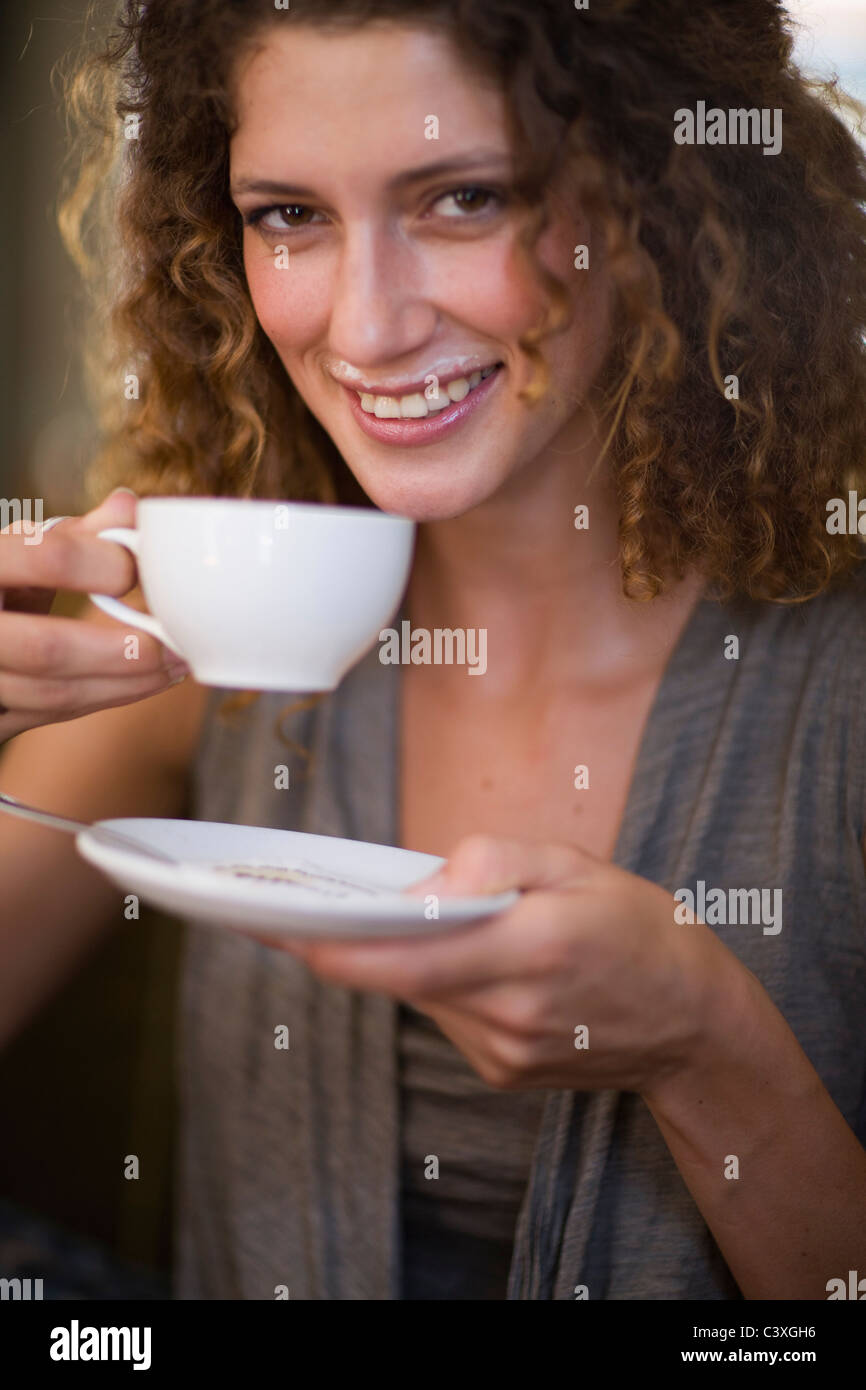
point(419, 418)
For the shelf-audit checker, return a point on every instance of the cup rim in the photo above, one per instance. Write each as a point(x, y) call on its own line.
point(325, 508)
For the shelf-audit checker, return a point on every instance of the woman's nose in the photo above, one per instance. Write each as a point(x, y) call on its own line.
point(379, 308)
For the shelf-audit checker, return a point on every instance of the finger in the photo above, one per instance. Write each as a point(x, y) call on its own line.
point(488, 864)
point(503, 1057)
point(509, 1006)
point(32, 600)
point(491, 950)
point(66, 556)
point(468, 1035)
point(72, 698)
point(59, 648)
point(20, 721)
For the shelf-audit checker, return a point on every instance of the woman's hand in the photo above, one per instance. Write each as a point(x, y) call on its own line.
point(586, 982)
point(670, 1014)
point(54, 668)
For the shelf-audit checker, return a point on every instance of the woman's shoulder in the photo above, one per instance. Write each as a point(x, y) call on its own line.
point(797, 672)
point(829, 628)
point(815, 661)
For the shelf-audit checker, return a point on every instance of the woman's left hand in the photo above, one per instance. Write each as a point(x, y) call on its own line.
point(587, 982)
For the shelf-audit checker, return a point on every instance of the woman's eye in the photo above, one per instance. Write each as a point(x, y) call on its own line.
point(293, 215)
point(460, 204)
point(464, 202)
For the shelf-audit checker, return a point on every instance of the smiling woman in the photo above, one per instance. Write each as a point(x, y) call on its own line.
point(453, 262)
point(543, 124)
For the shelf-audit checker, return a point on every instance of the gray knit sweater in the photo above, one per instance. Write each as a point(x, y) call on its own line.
point(751, 774)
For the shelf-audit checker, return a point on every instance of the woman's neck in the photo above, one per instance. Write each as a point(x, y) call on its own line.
point(548, 593)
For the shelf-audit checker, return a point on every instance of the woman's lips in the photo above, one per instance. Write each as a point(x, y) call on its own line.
point(409, 432)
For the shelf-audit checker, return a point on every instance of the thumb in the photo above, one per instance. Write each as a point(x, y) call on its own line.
point(488, 864)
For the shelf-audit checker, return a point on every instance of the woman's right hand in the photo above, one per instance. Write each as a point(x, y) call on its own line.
point(52, 668)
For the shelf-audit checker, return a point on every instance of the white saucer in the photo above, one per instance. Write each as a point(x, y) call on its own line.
point(201, 887)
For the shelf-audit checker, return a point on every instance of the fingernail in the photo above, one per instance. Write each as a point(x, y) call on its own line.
point(123, 489)
point(177, 680)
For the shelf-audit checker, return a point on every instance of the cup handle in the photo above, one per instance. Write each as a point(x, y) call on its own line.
point(124, 535)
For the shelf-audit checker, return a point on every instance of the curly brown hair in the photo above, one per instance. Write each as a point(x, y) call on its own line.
point(724, 261)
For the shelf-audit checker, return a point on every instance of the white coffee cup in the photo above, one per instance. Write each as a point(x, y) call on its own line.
point(264, 595)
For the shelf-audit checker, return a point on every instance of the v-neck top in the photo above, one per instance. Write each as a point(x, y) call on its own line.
point(465, 1158)
point(751, 774)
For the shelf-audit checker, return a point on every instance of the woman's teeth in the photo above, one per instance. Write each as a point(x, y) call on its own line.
point(417, 405)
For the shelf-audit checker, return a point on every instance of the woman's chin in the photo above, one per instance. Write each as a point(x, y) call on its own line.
point(428, 499)
point(408, 504)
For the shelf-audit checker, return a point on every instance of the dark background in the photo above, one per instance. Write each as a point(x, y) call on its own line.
point(89, 1080)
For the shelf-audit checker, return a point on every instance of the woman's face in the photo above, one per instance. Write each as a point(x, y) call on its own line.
point(399, 278)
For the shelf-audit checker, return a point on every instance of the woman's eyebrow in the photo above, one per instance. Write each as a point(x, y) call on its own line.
point(270, 188)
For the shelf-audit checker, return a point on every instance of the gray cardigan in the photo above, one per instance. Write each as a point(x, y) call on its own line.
point(751, 774)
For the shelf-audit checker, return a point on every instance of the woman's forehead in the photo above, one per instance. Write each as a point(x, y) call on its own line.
point(366, 93)
point(388, 68)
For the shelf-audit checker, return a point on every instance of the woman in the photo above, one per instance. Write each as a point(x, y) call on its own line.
point(328, 210)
